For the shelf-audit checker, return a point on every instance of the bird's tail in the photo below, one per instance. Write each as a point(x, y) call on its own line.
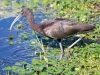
point(88, 28)
point(85, 27)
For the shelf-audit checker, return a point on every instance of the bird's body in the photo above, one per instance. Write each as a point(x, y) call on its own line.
point(56, 28)
point(62, 28)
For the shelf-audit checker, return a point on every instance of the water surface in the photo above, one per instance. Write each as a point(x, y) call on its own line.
point(10, 54)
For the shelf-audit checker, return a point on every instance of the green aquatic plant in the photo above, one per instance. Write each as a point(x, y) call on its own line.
point(10, 37)
point(11, 42)
point(7, 2)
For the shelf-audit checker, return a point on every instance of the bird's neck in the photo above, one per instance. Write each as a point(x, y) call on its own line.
point(32, 23)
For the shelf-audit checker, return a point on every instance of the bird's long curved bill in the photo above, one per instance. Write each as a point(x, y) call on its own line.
point(16, 19)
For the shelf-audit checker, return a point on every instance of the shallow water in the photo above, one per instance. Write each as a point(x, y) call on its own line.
point(10, 54)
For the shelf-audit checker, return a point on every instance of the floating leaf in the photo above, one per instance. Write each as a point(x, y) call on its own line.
point(11, 37)
point(7, 68)
point(25, 37)
point(22, 72)
point(11, 42)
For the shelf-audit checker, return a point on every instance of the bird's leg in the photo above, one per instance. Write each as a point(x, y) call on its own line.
point(68, 49)
point(62, 51)
point(61, 48)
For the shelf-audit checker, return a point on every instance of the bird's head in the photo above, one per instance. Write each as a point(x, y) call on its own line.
point(24, 13)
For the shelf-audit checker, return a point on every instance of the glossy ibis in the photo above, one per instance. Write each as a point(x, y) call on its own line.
point(55, 28)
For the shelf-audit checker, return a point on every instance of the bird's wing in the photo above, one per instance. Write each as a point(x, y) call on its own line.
point(50, 22)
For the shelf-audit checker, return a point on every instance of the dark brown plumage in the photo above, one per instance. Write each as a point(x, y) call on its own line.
point(56, 28)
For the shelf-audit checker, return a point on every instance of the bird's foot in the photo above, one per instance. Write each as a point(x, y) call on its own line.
point(62, 54)
point(67, 54)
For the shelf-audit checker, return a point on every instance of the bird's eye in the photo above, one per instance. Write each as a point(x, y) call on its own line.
point(21, 12)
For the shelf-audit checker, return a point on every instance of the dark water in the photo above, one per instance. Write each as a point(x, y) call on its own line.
point(10, 54)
